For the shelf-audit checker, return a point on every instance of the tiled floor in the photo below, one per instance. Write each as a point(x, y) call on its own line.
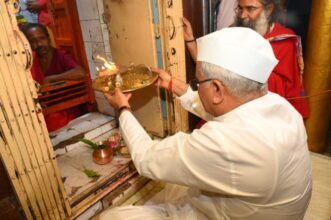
point(320, 204)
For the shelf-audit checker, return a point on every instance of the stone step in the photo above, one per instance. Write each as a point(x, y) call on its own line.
point(90, 126)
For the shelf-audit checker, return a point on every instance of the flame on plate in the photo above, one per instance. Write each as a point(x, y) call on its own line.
point(133, 78)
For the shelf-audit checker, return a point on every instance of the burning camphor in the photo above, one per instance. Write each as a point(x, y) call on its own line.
point(110, 69)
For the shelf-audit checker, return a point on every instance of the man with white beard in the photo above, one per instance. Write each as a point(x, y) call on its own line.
point(263, 16)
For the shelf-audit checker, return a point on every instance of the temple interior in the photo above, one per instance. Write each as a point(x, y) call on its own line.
point(52, 172)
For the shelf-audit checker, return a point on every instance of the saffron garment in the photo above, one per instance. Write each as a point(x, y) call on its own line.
point(251, 163)
point(286, 78)
point(62, 61)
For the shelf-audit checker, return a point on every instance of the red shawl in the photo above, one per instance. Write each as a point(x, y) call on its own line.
point(286, 78)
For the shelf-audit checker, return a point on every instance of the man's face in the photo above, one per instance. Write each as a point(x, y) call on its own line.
point(39, 41)
point(252, 14)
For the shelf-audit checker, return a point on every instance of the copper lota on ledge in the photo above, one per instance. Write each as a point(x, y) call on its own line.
point(104, 155)
point(102, 151)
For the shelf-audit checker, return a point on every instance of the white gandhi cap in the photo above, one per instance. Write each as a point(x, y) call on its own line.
point(240, 50)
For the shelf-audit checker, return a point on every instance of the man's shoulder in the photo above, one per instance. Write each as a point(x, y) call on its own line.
point(282, 29)
point(64, 57)
point(279, 29)
point(60, 51)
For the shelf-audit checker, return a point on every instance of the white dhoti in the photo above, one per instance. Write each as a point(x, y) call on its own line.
point(169, 204)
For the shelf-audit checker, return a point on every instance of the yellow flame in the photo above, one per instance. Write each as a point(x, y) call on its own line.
point(109, 65)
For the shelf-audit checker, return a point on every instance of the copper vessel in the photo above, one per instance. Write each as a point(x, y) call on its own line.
point(102, 156)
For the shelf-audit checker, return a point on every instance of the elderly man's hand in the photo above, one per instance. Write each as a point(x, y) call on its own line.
point(188, 31)
point(118, 99)
point(164, 78)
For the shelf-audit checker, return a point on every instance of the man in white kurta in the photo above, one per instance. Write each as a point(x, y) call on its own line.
point(249, 161)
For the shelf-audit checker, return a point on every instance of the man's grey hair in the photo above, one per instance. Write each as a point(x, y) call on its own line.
point(278, 14)
point(237, 85)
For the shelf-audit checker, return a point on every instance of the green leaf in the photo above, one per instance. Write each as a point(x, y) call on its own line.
point(102, 146)
point(90, 173)
point(91, 144)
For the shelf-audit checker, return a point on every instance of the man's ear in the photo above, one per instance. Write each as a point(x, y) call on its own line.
point(218, 91)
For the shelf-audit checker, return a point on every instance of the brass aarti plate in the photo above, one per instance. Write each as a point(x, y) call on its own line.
point(133, 78)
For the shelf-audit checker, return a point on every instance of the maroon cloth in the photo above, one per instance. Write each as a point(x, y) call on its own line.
point(285, 78)
point(62, 61)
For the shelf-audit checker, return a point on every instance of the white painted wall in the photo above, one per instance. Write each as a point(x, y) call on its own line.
point(30, 17)
point(96, 41)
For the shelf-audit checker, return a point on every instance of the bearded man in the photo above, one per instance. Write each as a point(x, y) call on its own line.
point(263, 16)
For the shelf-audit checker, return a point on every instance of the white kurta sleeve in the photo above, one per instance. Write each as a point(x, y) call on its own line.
point(192, 103)
point(193, 160)
point(163, 160)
